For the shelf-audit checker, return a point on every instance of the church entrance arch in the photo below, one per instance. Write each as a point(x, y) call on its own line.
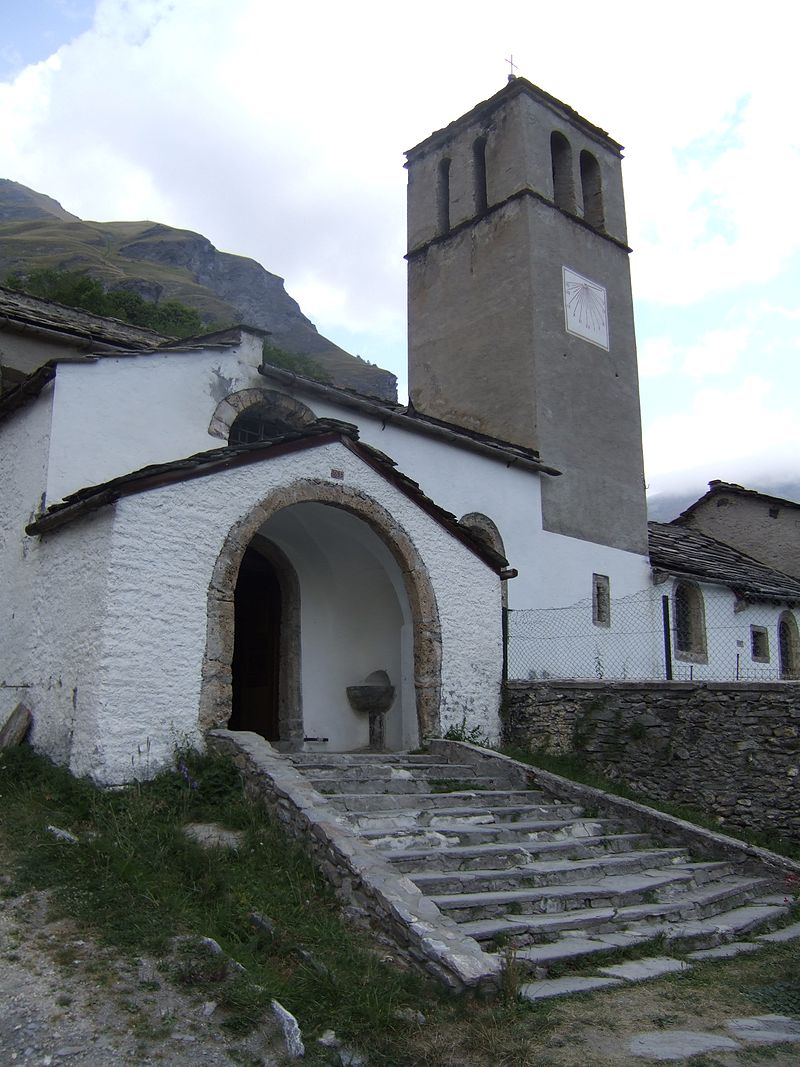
point(314, 591)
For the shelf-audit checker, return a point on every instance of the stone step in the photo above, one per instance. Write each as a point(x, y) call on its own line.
point(716, 929)
point(710, 934)
point(519, 832)
point(493, 798)
point(613, 891)
point(381, 772)
point(676, 919)
point(304, 760)
point(478, 857)
point(540, 873)
point(397, 783)
point(472, 814)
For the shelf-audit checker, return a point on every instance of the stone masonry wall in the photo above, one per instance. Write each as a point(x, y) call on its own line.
point(730, 750)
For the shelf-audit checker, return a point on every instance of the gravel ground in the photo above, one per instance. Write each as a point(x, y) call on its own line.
point(65, 1000)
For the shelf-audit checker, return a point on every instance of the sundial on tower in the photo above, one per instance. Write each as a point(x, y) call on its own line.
point(585, 309)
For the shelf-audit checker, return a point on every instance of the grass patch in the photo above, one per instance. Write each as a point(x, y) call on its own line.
point(137, 882)
point(574, 767)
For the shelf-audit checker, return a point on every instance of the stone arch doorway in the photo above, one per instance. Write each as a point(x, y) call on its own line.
point(363, 601)
point(265, 666)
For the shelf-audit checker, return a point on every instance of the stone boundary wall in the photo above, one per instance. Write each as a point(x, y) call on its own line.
point(731, 750)
point(667, 828)
point(374, 892)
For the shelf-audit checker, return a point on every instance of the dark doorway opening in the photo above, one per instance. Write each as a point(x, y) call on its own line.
point(256, 648)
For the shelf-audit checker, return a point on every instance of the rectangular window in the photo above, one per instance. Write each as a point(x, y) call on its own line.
point(601, 600)
point(759, 644)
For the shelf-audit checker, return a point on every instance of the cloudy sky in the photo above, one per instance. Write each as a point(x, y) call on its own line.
point(278, 131)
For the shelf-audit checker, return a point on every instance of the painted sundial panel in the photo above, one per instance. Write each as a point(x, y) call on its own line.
point(585, 308)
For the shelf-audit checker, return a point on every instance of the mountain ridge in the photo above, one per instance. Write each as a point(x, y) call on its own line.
point(161, 262)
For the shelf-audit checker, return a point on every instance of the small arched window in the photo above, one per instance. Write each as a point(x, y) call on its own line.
point(479, 175)
point(443, 195)
point(258, 423)
point(788, 646)
point(690, 622)
point(561, 161)
point(592, 191)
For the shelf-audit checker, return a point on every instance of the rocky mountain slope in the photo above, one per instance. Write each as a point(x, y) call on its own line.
point(160, 262)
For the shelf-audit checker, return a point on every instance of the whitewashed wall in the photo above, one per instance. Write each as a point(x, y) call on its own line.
point(52, 593)
point(24, 442)
point(729, 648)
point(164, 546)
point(121, 413)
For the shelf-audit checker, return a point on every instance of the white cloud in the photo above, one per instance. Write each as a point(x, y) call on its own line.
point(278, 131)
point(727, 432)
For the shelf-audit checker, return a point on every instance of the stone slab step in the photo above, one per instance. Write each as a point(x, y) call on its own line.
point(478, 857)
point(397, 783)
point(571, 947)
point(788, 933)
point(642, 920)
point(548, 988)
point(720, 928)
point(381, 772)
point(359, 759)
point(614, 891)
point(549, 872)
point(426, 801)
point(724, 952)
point(519, 832)
point(473, 814)
point(645, 969)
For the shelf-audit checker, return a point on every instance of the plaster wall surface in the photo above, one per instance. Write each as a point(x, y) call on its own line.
point(52, 594)
point(728, 637)
point(24, 439)
point(121, 413)
point(150, 672)
point(767, 531)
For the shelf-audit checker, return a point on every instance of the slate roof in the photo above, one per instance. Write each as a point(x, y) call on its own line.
point(716, 486)
point(21, 311)
point(321, 432)
point(685, 551)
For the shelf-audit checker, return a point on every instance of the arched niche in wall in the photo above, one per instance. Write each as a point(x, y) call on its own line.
point(561, 162)
point(788, 647)
point(689, 619)
point(443, 196)
point(485, 529)
point(479, 175)
point(258, 415)
point(592, 191)
point(215, 697)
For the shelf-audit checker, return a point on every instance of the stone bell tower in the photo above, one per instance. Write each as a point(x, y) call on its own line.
point(520, 310)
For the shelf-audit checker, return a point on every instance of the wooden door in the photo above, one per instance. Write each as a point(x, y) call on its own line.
point(256, 650)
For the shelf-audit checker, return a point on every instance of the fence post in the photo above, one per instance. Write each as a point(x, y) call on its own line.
point(667, 638)
point(505, 644)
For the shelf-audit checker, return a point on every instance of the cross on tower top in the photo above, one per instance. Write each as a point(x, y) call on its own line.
point(512, 67)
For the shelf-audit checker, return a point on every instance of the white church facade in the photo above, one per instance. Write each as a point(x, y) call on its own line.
point(192, 538)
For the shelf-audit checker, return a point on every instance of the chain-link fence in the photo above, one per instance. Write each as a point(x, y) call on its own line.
point(687, 634)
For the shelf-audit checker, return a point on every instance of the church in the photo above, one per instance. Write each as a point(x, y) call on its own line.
point(193, 538)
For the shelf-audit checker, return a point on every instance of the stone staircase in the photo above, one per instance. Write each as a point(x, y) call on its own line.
point(540, 880)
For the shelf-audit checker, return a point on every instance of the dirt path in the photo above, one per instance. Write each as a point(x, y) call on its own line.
point(65, 1000)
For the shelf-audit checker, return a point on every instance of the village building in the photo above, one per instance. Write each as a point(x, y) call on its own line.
point(192, 538)
point(765, 527)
